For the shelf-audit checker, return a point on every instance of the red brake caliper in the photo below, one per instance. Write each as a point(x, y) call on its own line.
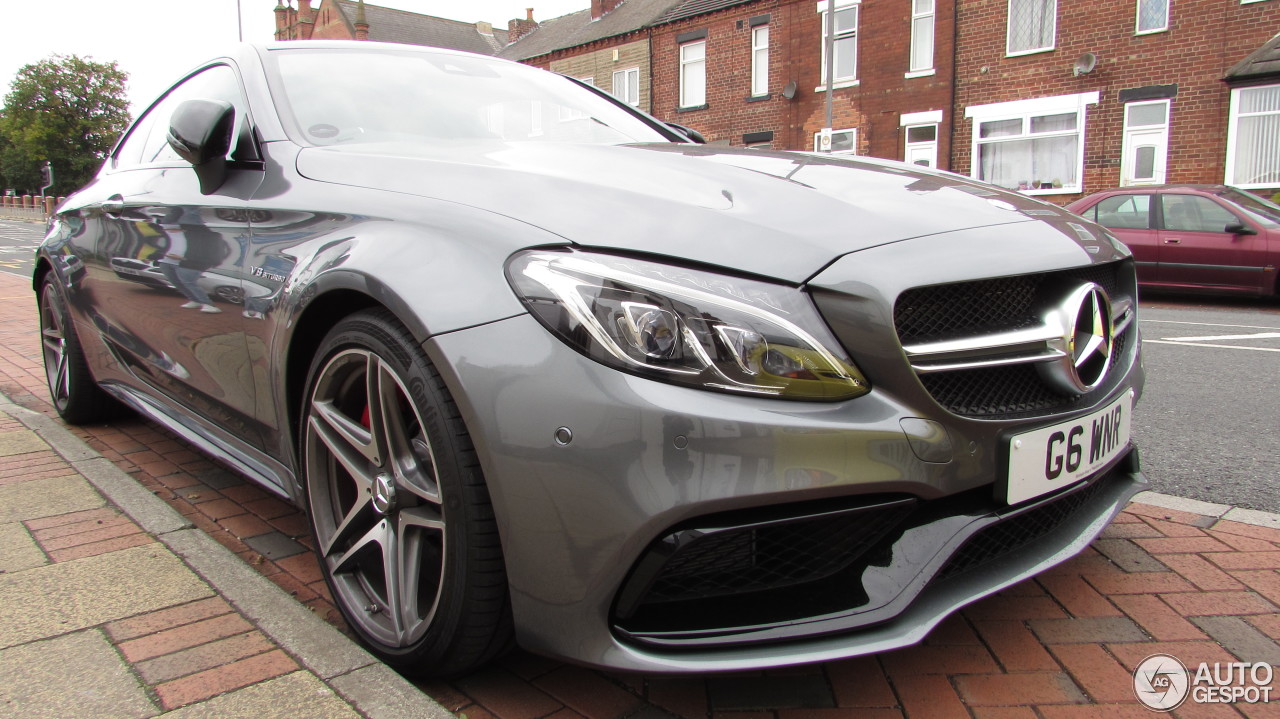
point(364, 417)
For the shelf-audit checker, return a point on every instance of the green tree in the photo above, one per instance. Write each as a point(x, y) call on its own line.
point(66, 110)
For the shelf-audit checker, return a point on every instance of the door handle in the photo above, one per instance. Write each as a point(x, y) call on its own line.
point(1173, 241)
point(112, 206)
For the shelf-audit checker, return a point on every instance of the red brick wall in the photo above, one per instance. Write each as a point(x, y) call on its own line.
point(1205, 38)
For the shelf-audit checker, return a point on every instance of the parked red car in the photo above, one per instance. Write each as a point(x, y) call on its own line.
point(1204, 238)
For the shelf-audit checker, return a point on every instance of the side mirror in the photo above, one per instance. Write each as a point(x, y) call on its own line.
point(200, 132)
point(689, 132)
point(1239, 228)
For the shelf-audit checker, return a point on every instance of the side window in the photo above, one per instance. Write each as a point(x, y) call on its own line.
point(1192, 213)
point(147, 142)
point(1126, 212)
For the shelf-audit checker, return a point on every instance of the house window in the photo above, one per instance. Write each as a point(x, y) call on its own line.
point(843, 142)
point(846, 41)
point(1146, 143)
point(1253, 137)
point(1035, 146)
point(760, 60)
point(626, 86)
point(1153, 16)
point(921, 36)
point(693, 74)
point(1032, 25)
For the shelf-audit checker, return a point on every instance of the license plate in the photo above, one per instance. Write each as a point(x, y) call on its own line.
point(1051, 458)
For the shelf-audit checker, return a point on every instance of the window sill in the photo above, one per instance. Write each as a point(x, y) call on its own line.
point(1020, 53)
point(760, 98)
point(692, 108)
point(920, 73)
point(838, 86)
point(1050, 191)
point(1140, 33)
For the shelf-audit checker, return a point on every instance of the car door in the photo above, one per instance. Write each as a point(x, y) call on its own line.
point(1196, 250)
point(164, 262)
point(1129, 217)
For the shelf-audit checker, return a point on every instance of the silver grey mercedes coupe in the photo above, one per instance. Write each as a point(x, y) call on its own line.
point(543, 370)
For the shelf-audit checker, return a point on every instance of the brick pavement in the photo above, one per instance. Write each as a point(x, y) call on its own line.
point(1061, 646)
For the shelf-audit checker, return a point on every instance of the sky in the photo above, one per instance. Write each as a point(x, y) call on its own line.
point(157, 41)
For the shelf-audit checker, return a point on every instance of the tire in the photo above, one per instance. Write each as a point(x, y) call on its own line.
point(401, 518)
point(72, 389)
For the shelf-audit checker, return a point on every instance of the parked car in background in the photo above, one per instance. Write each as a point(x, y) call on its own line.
point(1197, 238)
point(542, 370)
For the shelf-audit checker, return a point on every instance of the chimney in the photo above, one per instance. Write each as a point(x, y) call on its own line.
point(517, 28)
point(306, 20)
point(282, 21)
point(362, 23)
point(484, 28)
point(600, 8)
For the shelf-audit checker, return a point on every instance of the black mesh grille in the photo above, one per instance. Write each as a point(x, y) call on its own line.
point(754, 559)
point(968, 309)
point(973, 309)
point(1003, 537)
point(1011, 392)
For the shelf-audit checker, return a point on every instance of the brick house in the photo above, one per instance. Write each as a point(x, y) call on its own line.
point(607, 45)
point(347, 20)
point(765, 78)
point(1062, 97)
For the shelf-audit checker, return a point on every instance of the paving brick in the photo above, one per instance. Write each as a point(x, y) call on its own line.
point(1268, 534)
point(1131, 710)
point(293, 524)
point(205, 656)
point(1173, 529)
point(1268, 624)
point(1019, 689)
point(1096, 671)
point(1004, 713)
point(295, 588)
point(1182, 545)
point(72, 518)
point(1206, 604)
point(1172, 515)
point(103, 533)
point(1131, 530)
point(1128, 556)
point(95, 549)
point(684, 696)
point(242, 673)
point(928, 696)
point(739, 693)
point(1246, 560)
point(1018, 608)
point(1078, 598)
point(445, 694)
point(220, 509)
point(1157, 618)
point(1015, 647)
point(1139, 583)
point(860, 682)
point(1244, 543)
point(1241, 639)
point(838, 714)
point(274, 545)
point(521, 663)
point(1130, 655)
point(78, 527)
point(923, 659)
point(1200, 572)
point(506, 695)
point(1092, 629)
point(303, 566)
point(184, 637)
point(153, 622)
point(244, 526)
point(953, 630)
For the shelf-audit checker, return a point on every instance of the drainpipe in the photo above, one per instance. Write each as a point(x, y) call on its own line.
point(830, 42)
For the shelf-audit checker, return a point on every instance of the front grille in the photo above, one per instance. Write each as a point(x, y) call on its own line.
point(971, 309)
point(1003, 537)
point(1013, 392)
point(968, 310)
point(754, 559)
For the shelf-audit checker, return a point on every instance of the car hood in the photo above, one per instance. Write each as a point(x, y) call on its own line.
point(776, 214)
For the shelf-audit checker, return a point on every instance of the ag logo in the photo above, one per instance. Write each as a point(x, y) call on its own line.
point(1161, 682)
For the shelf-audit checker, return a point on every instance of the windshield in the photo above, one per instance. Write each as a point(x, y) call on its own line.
point(1261, 211)
point(342, 97)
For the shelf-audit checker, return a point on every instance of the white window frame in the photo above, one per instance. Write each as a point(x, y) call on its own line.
point(1137, 18)
point(760, 60)
point(907, 122)
point(1233, 138)
point(922, 28)
point(687, 67)
point(839, 82)
point(1025, 110)
point(1136, 136)
point(853, 141)
point(627, 86)
point(1053, 33)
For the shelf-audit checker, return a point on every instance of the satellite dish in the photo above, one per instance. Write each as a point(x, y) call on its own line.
point(1085, 64)
point(789, 91)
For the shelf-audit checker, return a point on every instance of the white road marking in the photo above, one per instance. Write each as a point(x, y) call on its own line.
point(1223, 338)
point(1224, 347)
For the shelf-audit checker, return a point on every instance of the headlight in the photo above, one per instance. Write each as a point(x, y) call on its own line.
point(686, 326)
